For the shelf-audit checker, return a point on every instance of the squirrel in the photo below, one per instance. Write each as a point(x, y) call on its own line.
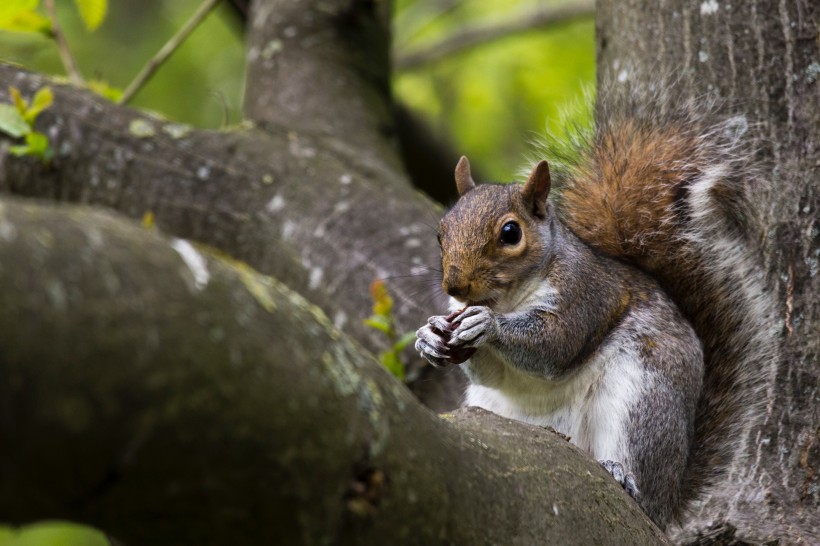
point(628, 311)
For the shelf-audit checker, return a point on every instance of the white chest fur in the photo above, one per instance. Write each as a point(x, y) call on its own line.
point(591, 407)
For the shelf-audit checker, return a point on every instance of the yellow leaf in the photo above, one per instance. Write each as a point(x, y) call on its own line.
point(92, 12)
point(148, 219)
point(42, 100)
point(382, 302)
point(19, 102)
point(11, 7)
point(21, 16)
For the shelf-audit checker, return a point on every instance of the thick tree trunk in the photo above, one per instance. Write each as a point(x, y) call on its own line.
point(762, 57)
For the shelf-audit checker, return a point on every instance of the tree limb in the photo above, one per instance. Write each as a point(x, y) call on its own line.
point(302, 207)
point(168, 396)
point(315, 194)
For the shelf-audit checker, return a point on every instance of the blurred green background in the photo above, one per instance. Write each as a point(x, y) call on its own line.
point(201, 83)
point(489, 102)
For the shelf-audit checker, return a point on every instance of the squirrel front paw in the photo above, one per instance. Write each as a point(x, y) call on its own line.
point(626, 479)
point(432, 342)
point(476, 326)
point(432, 347)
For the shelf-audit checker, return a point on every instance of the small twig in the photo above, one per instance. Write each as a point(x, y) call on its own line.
point(166, 50)
point(481, 34)
point(62, 45)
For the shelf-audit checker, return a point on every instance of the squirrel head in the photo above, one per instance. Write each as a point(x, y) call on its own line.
point(494, 236)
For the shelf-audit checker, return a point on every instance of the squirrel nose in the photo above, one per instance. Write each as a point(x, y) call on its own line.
point(455, 283)
point(457, 290)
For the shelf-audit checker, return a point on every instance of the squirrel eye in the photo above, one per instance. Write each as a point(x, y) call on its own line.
point(511, 233)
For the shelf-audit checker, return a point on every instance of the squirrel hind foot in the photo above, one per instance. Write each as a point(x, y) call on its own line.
point(626, 479)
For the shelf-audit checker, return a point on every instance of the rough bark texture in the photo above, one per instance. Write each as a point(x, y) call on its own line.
point(315, 194)
point(764, 59)
point(294, 205)
point(169, 396)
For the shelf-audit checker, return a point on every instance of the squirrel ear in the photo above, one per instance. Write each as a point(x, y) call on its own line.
point(537, 188)
point(464, 180)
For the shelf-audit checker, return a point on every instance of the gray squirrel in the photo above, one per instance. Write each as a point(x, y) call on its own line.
point(628, 311)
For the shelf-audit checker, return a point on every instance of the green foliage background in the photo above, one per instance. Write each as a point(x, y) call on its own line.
point(493, 100)
point(201, 83)
point(490, 102)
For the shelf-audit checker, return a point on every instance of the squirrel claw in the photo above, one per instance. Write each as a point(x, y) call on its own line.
point(431, 346)
point(440, 323)
point(476, 326)
point(431, 343)
point(430, 355)
point(626, 479)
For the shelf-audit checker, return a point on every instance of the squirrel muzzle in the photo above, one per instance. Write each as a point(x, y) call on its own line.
point(456, 284)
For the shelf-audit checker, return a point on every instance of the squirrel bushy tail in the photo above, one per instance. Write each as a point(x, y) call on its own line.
point(664, 184)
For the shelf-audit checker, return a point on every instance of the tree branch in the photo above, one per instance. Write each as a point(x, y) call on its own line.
point(62, 45)
point(538, 18)
point(305, 208)
point(230, 402)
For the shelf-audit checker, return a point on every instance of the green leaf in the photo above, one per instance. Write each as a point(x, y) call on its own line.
point(19, 150)
point(57, 533)
point(42, 100)
point(390, 360)
point(21, 16)
point(92, 12)
point(11, 122)
point(404, 341)
point(36, 146)
point(379, 323)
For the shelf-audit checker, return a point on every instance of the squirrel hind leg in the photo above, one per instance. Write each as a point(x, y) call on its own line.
point(626, 479)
